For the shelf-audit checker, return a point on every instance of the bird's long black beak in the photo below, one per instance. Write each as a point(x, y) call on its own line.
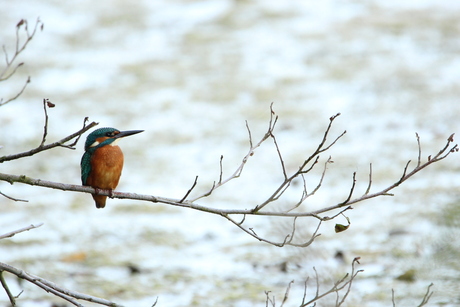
point(122, 134)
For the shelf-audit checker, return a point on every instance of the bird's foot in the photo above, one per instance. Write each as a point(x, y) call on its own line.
point(99, 191)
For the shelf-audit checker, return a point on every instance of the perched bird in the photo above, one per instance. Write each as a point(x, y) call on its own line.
point(102, 161)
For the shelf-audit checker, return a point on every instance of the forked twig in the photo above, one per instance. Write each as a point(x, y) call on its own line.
point(229, 214)
point(252, 148)
point(60, 143)
point(338, 286)
point(302, 169)
point(48, 286)
point(9, 70)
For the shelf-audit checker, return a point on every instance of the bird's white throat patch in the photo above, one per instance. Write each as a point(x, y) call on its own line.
point(114, 143)
point(95, 144)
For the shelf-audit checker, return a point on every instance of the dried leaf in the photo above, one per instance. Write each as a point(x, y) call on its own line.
point(340, 227)
point(20, 23)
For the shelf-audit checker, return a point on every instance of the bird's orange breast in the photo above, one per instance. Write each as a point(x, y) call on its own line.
point(106, 167)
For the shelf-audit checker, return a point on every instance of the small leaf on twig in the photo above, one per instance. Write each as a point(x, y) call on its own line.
point(339, 227)
point(50, 104)
point(20, 23)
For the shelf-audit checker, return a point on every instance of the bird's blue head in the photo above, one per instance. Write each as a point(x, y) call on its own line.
point(105, 136)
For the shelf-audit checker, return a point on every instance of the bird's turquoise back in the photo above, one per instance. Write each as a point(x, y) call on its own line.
point(85, 165)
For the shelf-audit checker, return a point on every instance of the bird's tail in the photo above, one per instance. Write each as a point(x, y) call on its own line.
point(100, 201)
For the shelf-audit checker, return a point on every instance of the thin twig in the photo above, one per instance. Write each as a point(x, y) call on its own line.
point(280, 157)
point(252, 148)
point(12, 233)
point(287, 181)
point(419, 159)
point(221, 170)
point(351, 191)
point(45, 128)
point(48, 286)
point(12, 198)
point(8, 71)
point(370, 180)
point(190, 190)
point(427, 296)
point(60, 143)
point(286, 294)
point(11, 297)
point(338, 286)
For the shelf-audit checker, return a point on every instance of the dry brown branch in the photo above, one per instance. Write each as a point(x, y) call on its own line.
point(425, 298)
point(442, 154)
point(10, 68)
point(66, 294)
point(71, 296)
point(60, 143)
point(259, 210)
point(229, 213)
point(252, 148)
point(302, 169)
point(343, 284)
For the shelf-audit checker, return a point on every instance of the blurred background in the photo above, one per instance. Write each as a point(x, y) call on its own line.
point(190, 73)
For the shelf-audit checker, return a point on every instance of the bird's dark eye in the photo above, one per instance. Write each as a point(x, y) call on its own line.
point(111, 134)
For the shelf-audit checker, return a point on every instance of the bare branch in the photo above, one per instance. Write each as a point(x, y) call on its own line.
point(12, 198)
point(419, 159)
point(11, 297)
point(351, 191)
point(286, 295)
point(279, 156)
point(60, 143)
point(442, 154)
point(10, 68)
point(17, 95)
point(287, 180)
point(252, 148)
point(338, 286)
point(45, 128)
point(221, 170)
point(190, 190)
point(48, 286)
point(12, 233)
point(231, 213)
point(427, 296)
point(370, 180)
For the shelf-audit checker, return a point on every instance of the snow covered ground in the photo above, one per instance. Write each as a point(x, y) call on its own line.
point(190, 73)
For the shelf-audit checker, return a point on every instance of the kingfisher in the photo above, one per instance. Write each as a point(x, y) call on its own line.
point(102, 161)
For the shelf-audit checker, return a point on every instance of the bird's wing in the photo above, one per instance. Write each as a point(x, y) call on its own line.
point(85, 165)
